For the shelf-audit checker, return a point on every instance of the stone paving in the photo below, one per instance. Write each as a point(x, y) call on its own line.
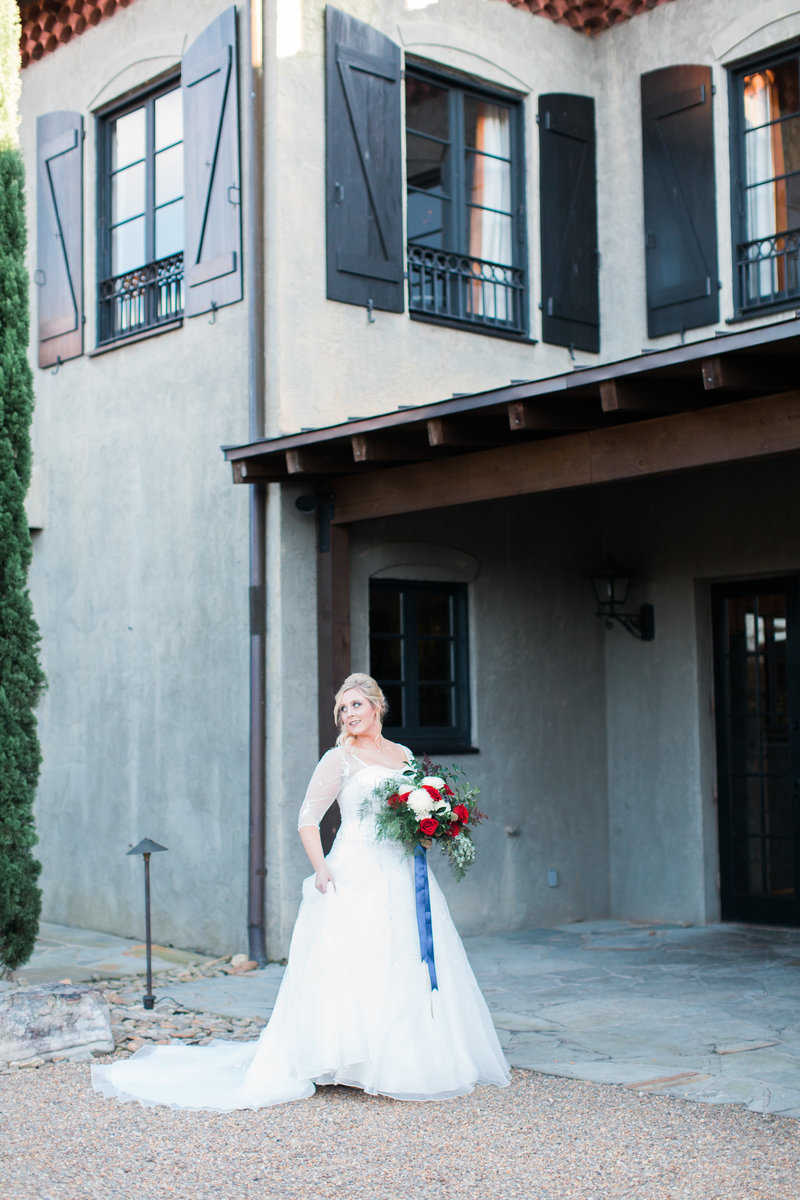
point(709, 1014)
point(84, 955)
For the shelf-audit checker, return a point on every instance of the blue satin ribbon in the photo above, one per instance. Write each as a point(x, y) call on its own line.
point(424, 921)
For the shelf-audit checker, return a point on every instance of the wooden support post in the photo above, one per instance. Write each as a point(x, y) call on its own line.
point(333, 635)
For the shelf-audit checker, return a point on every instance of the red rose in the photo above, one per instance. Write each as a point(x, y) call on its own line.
point(428, 826)
point(455, 828)
point(447, 790)
point(395, 800)
point(462, 812)
point(432, 792)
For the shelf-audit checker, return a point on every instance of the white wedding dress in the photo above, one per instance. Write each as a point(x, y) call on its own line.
point(355, 1006)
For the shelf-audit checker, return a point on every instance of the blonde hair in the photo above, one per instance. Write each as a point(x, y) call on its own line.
point(369, 690)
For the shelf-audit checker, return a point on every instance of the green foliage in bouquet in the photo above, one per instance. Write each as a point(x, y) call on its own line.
point(21, 678)
point(429, 804)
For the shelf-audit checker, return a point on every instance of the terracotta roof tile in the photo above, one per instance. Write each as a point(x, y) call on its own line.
point(587, 16)
point(48, 24)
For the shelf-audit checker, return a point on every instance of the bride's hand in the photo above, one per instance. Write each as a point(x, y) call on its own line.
point(426, 843)
point(324, 878)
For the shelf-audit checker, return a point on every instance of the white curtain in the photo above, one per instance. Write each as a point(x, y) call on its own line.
point(490, 232)
point(764, 159)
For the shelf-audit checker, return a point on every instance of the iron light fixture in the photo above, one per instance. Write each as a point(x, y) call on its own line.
point(610, 584)
point(147, 847)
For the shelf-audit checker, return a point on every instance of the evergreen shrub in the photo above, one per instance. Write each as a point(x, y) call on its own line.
point(21, 678)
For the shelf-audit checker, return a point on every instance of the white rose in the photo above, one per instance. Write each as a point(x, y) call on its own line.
point(433, 781)
point(420, 802)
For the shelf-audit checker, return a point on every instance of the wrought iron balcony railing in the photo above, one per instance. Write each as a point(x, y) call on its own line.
point(463, 288)
point(768, 269)
point(149, 296)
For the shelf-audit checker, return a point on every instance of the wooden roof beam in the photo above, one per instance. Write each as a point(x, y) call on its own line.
point(391, 446)
point(254, 470)
point(648, 398)
point(315, 462)
point(735, 432)
point(764, 376)
point(543, 416)
point(449, 431)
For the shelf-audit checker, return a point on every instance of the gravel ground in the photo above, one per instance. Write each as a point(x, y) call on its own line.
point(543, 1138)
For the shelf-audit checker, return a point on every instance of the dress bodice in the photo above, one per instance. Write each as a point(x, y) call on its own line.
point(343, 776)
point(357, 789)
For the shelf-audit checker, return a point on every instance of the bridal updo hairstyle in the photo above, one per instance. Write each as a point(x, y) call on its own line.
point(369, 690)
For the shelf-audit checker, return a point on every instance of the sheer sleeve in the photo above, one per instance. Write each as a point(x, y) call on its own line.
point(325, 785)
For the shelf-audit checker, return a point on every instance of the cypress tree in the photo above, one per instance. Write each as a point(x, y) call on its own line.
point(21, 678)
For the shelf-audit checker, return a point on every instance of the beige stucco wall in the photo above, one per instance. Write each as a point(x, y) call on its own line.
point(328, 362)
point(537, 696)
point(140, 569)
point(682, 533)
point(139, 575)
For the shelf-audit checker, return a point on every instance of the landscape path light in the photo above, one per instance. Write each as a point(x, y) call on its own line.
point(147, 847)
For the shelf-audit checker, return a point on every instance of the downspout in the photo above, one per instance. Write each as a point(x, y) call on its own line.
point(254, 291)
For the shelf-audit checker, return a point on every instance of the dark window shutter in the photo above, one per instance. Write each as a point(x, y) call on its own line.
point(59, 235)
point(570, 301)
point(680, 217)
point(364, 184)
point(212, 196)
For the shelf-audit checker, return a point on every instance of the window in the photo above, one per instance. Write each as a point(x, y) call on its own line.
point(141, 202)
point(766, 122)
point(418, 654)
point(168, 204)
point(465, 228)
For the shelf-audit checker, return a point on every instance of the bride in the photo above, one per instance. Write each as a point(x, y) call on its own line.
point(355, 1006)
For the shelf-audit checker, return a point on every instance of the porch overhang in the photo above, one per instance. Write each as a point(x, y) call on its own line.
point(734, 397)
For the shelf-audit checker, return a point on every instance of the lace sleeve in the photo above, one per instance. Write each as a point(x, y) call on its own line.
point(325, 785)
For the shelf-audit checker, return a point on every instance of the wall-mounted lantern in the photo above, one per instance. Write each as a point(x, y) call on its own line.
point(147, 847)
point(610, 583)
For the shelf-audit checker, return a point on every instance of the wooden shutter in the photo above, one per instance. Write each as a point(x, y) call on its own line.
point(364, 197)
point(59, 236)
point(679, 199)
point(570, 299)
point(212, 195)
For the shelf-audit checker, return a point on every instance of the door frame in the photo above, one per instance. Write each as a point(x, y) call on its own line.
point(733, 906)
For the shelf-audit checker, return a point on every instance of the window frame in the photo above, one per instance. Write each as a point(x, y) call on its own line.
point(461, 86)
point(739, 229)
point(172, 274)
point(456, 737)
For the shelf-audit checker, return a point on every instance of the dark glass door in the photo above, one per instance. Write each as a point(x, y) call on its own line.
point(757, 664)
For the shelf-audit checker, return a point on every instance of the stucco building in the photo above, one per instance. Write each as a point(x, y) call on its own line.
point(476, 295)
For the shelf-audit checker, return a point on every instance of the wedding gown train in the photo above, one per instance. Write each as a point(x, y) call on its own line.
point(355, 1006)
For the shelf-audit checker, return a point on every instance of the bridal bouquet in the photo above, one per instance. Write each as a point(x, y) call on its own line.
point(430, 803)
